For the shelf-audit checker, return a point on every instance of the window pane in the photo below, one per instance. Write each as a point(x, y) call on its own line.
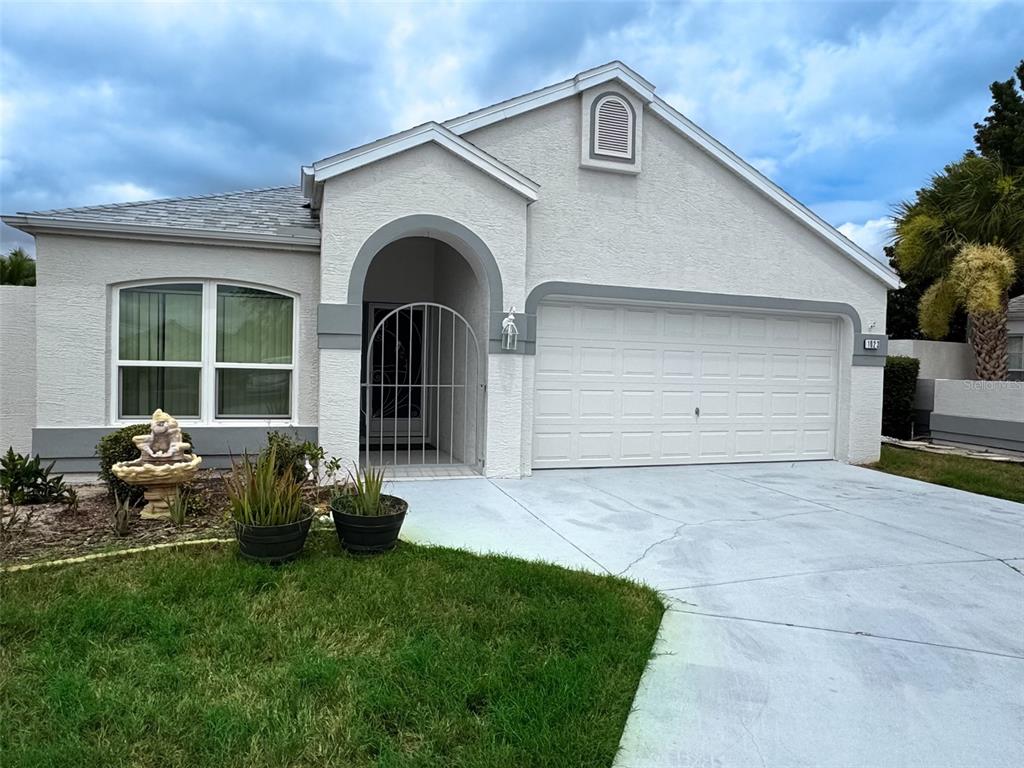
point(1016, 349)
point(161, 322)
point(259, 393)
point(144, 389)
point(253, 326)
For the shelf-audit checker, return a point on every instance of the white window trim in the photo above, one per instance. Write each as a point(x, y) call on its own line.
point(207, 363)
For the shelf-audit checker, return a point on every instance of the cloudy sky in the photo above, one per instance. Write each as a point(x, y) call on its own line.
point(849, 106)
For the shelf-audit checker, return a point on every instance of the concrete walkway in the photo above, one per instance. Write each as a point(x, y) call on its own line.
point(819, 614)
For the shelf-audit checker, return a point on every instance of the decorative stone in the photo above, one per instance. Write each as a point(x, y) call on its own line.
point(164, 464)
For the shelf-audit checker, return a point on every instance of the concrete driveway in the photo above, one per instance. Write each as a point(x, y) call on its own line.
point(819, 614)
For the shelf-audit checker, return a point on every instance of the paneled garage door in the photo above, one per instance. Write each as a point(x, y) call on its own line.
point(620, 384)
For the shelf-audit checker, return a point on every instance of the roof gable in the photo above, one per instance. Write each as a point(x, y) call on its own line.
point(620, 73)
point(427, 133)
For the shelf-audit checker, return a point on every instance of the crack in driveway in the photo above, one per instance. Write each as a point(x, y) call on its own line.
point(853, 569)
point(543, 522)
point(849, 632)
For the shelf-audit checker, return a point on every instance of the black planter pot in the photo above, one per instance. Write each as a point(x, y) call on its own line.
point(272, 543)
point(359, 533)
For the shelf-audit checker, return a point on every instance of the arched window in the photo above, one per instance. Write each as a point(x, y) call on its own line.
point(204, 350)
point(613, 126)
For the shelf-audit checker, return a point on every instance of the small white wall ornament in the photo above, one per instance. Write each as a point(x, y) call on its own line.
point(509, 332)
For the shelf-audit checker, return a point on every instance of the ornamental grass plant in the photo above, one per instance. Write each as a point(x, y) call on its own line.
point(363, 495)
point(260, 495)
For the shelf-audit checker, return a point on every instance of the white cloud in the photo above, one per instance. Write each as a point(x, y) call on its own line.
point(118, 192)
point(872, 235)
point(427, 72)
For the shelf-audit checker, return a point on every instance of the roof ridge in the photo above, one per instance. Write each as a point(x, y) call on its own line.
point(173, 199)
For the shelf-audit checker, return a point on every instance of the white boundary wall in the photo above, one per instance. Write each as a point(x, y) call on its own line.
point(939, 359)
point(17, 367)
point(989, 413)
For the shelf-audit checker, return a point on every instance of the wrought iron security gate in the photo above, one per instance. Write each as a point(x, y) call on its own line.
point(423, 391)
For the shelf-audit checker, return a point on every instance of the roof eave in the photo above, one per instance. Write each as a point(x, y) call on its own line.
point(389, 146)
point(35, 225)
point(585, 80)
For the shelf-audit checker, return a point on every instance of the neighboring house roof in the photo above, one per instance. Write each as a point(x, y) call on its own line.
point(338, 164)
point(1015, 309)
point(273, 216)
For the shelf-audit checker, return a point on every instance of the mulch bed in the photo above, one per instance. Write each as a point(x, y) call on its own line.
point(51, 531)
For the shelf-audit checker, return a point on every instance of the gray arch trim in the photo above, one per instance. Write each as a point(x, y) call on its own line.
point(339, 326)
point(861, 355)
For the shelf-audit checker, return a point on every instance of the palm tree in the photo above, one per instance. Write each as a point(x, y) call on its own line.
point(17, 268)
point(964, 234)
point(978, 280)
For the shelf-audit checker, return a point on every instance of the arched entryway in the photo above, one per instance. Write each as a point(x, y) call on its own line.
point(426, 317)
point(423, 391)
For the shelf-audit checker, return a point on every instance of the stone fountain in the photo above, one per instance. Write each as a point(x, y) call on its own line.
point(164, 463)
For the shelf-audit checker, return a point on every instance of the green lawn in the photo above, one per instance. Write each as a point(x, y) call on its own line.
point(991, 478)
point(422, 657)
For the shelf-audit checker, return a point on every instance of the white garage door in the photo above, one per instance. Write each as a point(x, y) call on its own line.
point(621, 384)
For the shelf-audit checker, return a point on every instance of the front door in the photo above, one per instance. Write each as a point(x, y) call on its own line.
point(395, 359)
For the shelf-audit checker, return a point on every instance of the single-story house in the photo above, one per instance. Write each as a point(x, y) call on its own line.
point(575, 277)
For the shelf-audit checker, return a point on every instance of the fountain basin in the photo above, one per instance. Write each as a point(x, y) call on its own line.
point(161, 482)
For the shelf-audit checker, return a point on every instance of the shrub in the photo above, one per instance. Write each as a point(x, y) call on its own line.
point(118, 446)
point(25, 480)
point(291, 455)
point(260, 495)
point(898, 396)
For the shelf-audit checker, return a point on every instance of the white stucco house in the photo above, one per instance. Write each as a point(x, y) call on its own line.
point(670, 304)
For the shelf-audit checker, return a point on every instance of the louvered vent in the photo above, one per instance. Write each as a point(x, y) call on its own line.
point(613, 132)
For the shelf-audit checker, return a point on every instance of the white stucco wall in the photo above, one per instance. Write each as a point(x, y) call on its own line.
point(995, 400)
point(429, 180)
point(17, 367)
point(73, 314)
point(684, 223)
point(939, 359)
point(425, 180)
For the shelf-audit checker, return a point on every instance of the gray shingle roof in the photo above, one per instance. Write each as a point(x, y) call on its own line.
point(274, 212)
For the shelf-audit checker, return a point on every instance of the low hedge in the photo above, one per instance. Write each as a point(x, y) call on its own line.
point(898, 396)
point(118, 446)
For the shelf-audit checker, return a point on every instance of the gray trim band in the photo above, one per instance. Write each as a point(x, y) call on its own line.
point(337, 318)
point(339, 326)
point(339, 341)
point(869, 360)
point(1012, 431)
point(697, 298)
point(74, 448)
